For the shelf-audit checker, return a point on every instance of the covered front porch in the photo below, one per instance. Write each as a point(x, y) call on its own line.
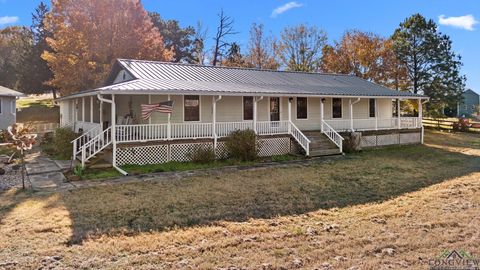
point(216, 116)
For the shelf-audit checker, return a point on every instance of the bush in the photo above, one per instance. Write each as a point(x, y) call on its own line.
point(201, 154)
point(351, 142)
point(463, 124)
point(242, 145)
point(59, 143)
point(3, 136)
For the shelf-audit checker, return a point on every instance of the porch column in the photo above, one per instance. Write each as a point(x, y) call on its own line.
point(399, 124)
point(321, 114)
point(113, 131)
point(101, 114)
point(91, 109)
point(83, 109)
point(420, 113)
point(150, 102)
point(289, 115)
point(169, 126)
point(376, 114)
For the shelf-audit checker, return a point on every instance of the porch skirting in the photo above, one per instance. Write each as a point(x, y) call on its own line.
point(162, 152)
point(391, 137)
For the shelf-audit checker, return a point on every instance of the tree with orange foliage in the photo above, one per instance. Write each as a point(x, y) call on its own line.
point(367, 56)
point(88, 35)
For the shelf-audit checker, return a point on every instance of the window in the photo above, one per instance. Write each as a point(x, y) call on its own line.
point(192, 108)
point(337, 108)
point(247, 108)
point(372, 107)
point(302, 107)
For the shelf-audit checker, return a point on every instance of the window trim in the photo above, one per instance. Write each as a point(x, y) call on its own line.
point(374, 107)
point(1, 105)
point(199, 110)
point(296, 109)
point(13, 107)
point(243, 109)
point(341, 104)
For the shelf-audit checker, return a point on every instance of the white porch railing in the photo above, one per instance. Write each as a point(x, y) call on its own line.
point(273, 127)
point(88, 135)
point(95, 145)
point(223, 129)
point(141, 133)
point(300, 138)
point(191, 130)
point(332, 135)
point(85, 126)
point(373, 124)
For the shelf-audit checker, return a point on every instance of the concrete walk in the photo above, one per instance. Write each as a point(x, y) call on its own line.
point(44, 174)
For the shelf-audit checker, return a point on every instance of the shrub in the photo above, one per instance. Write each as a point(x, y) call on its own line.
point(201, 154)
point(3, 136)
point(351, 142)
point(463, 124)
point(61, 143)
point(243, 145)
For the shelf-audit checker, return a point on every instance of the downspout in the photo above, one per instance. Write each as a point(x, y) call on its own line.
point(351, 112)
point(113, 131)
point(255, 100)
point(214, 120)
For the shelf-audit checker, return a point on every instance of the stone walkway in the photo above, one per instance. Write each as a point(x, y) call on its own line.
point(45, 174)
point(54, 181)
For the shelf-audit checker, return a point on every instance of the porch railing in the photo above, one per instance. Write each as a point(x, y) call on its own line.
point(95, 145)
point(373, 124)
point(332, 135)
point(85, 138)
point(300, 138)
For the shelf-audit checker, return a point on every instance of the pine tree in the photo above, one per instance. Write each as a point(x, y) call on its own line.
point(432, 67)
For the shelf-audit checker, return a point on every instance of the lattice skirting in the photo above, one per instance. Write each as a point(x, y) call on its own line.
point(156, 154)
point(390, 139)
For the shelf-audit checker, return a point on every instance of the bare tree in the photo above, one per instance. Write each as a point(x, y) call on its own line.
point(224, 29)
point(261, 49)
point(300, 47)
point(199, 43)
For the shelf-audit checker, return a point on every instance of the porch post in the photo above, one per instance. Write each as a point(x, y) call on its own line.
point(351, 114)
point(91, 109)
point(214, 121)
point(321, 114)
point(169, 126)
point(150, 102)
point(113, 132)
point(399, 124)
point(376, 114)
point(83, 109)
point(289, 115)
point(255, 100)
point(101, 114)
point(420, 113)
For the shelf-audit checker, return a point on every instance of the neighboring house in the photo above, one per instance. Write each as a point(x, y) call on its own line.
point(470, 104)
point(289, 111)
point(8, 106)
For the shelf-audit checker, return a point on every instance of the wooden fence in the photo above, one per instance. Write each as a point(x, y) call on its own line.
point(448, 124)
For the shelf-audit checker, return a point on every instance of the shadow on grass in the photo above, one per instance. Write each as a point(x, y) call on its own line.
point(370, 176)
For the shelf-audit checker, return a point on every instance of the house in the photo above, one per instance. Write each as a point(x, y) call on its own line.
point(470, 104)
point(289, 111)
point(8, 106)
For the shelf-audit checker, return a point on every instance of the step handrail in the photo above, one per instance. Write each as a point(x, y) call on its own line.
point(95, 145)
point(83, 139)
point(333, 135)
point(298, 135)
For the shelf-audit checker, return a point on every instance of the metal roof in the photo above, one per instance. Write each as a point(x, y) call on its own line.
point(153, 77)
point(9, 92)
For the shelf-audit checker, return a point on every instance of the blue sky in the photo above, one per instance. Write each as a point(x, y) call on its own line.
point(380, 17)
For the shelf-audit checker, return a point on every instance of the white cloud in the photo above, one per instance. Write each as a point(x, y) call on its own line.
point(281, 9)
point(8, 19)
point(465, 22)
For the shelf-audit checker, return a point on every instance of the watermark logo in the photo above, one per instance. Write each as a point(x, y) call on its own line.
point(454, 260)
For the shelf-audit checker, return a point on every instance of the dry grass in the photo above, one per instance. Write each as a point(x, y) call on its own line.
point(411, 202)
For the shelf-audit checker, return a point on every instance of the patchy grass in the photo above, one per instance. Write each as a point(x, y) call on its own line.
point(34, 102)
point(37, 109)
point(392, 208)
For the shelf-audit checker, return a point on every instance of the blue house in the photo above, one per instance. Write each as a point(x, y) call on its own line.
point(470, 104)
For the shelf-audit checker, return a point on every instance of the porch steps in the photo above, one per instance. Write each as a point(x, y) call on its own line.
point(320, 144)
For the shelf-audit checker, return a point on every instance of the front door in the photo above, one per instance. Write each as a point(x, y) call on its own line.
point(274, 109)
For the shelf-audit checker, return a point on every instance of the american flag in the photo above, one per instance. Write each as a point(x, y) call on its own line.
point(162, 107)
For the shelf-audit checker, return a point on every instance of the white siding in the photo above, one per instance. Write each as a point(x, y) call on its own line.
point(8, 111)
